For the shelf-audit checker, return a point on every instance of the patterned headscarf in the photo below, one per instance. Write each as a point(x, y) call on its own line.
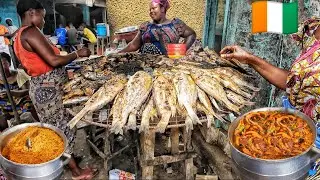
point(163, 3)
point(305, 34)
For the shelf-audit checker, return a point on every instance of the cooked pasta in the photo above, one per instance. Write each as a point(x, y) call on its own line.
point(272, 135)
point(45, 146)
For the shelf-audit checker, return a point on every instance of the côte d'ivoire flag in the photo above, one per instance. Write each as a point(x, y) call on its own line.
point(276, 17)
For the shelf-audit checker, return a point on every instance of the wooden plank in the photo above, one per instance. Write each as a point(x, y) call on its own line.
point(100, 153)
point(225, 23)
point(210, 23)
point(166, 159)
point(147, 146)
point(206, 177)
point(189, 169)
point(107, 151)
point(174, 140)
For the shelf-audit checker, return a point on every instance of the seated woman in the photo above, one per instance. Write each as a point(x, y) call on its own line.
point(20, 95)
point(153, 37)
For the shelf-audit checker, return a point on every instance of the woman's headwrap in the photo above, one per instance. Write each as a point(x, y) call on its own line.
point(163, 3)
point(305, 34)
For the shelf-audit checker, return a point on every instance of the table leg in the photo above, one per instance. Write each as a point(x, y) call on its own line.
point(147, 146)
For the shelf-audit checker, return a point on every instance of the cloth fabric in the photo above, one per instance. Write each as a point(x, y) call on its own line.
point(2, 177)
point(22, 77)
point(72, 36)
point(303, 83)
point(3, 46)
point(153, 34)
point(3, 31)
point(46, 94)
point(12, 29)
point(32, 62)
point(61, 33)
point(89, 35)
point(163, 3)
point(23, 104)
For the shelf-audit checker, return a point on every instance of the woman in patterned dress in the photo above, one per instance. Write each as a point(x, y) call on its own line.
point(153, 36)
point(302, 81)
point(43, 62)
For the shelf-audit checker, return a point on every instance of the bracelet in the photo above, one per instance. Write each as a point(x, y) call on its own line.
point(77, 54)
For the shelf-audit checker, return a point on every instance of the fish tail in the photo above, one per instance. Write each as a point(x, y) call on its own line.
point(77, 118)
point(195, 119)
point(189, 124)
point(251, 87)
point(132, 122)
point(210, 120)
point(162, 125)
point(249, 103)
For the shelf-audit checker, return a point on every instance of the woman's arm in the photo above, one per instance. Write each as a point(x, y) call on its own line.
point(190, 36)
point(273, 74)
point(39, 44)
point(134, 45)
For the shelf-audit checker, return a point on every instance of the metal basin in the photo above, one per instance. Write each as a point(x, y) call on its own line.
point(46, 171)
point(292, 168)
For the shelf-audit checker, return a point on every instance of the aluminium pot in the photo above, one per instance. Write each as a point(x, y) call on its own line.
point(293, 168)
point(50, 170)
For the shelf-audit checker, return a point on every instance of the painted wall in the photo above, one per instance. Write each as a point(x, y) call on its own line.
point(8, 10)
point(134, 12)
point(279, 50)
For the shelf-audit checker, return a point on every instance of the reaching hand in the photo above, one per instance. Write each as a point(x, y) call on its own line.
point(235, 52)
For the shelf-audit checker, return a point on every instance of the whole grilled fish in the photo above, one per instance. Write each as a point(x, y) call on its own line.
point(75, 101)
point(210, 117)
point(162, 93)
point(102, 97)
point(76, 92)
point(148, 114)
point(116, 113)
point(205, 101)
point(187, 94)
point(213, 88)
point(236, 77)
point(137, 91)
point(237, 99)
point(69, 85)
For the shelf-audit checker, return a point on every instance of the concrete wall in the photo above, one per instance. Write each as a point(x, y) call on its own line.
point(279, 50)
point(8, 10)
point(134, 12)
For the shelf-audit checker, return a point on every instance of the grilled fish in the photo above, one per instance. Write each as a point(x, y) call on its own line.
point(205, 101)
point(236, 77)
point(237, 99)
point(75, 101)
point(148, 114)
point(116, 113)
point(162, 91)
point(213, 88)
point(102, 97)
point(187, 94)
point(137, 91)
point(76, 92)
point(210, 117)
point(69, 85)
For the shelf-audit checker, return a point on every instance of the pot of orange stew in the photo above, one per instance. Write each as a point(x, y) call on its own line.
point(33, 151)
point(273, 143)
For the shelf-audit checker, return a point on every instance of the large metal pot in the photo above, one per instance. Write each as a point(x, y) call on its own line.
point(45, 171)
point(285, 169)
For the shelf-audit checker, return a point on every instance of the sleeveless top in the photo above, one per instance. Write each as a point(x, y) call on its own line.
point(31, 61)
point(155, 37)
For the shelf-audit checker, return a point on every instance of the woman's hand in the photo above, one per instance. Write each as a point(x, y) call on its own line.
point(236, 52)
point(84, 52)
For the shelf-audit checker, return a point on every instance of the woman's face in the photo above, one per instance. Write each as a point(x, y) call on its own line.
point(37, 17)
point(156, 11)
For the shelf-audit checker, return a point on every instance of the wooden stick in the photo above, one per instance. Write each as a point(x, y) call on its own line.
point(147, 145)
point(101, 154)
point(165, 159)
point(174, 140)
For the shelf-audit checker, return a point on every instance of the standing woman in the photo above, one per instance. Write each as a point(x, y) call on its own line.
point(154, 36)
point(43, 62)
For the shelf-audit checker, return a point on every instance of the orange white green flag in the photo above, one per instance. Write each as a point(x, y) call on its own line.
point(276, 17)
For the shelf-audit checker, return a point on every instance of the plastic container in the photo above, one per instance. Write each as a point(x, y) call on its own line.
point(176, 51)
point(101, 29)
